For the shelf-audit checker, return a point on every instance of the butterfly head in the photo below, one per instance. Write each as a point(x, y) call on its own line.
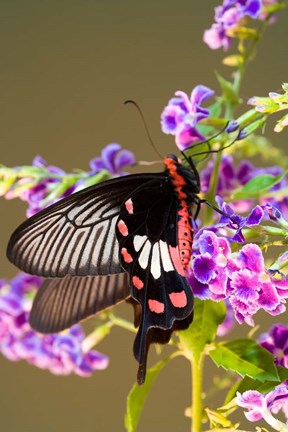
point(173, 158)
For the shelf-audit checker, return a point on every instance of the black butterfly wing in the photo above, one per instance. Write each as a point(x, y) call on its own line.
point(77, 234)
point(62, 302)
point(147, 234)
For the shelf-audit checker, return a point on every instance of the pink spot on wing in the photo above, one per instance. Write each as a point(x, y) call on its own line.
point(129, 206)
point(137, 282)
point(122, 227)
point(156, 306)
point(178, 299)
point(126, 256)
point(174, 253)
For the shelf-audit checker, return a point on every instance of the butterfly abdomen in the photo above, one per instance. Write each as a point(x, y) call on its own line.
point(185, 230)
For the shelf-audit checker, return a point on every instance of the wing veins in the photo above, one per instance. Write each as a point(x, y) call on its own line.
point(51, 235)
point(103, 243)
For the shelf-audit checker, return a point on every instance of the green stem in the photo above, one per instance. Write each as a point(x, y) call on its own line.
point(197, 382)
point(249, 53)
point(120, 322)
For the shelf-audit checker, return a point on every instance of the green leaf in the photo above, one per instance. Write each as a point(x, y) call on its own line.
point(215, 110)
point(229, 93)
point(138, 394)
point(245, 384)
point(248, 383)
point(247, 358)
point(283, 373)
point(254, 187)
point(208, 315)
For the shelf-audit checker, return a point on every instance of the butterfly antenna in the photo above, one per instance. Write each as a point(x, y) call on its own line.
point(220, 149)
point(207, 141)
point(129, 101)
point(210, 150)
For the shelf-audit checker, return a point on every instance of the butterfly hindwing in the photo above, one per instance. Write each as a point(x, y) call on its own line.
point(62, 302)
point(147, 235)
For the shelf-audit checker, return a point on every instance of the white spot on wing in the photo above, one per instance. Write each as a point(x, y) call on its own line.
point(144, 255)
point(165, 257)
point(138, 242)
point(155, 262)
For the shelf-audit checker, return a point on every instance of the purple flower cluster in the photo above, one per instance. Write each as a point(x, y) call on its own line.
point(232, 177)
point(47, 190)
point(61, 354)
point(53, 183)
point(228, 17)
point(182, 114)
point(240, 278)
point(261, 406)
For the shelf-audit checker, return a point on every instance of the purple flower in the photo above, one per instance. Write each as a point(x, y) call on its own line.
point(228, 17)
point(276, 341)
point(113, 158)
point(233, 220)
point(275, 212)
point(261, 406)
point(232, 177)
point(240, 278)
point(216, 37)
point(61, 354)
point(182, 114)
point(209, 264)
point(252, 288)
point(47, 189)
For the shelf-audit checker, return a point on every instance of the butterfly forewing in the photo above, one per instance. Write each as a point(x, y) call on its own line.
point(76, 235)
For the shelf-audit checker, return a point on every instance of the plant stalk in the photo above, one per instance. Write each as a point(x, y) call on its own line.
point(197, 382)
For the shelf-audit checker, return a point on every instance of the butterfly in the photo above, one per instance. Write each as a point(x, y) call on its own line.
point(126, 238)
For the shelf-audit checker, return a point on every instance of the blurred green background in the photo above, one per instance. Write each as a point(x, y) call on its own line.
point(66, 68)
